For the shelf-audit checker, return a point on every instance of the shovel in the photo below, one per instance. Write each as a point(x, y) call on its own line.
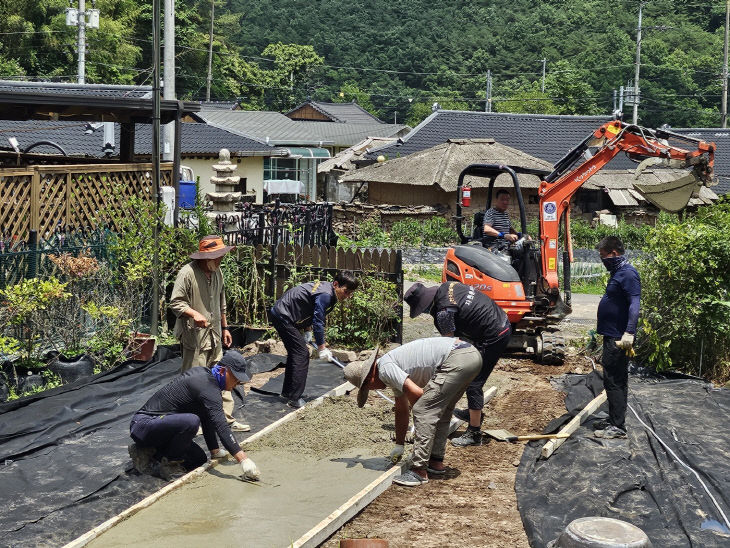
point(506, 435)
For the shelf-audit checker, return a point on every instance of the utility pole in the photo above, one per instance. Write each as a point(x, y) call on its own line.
point(155, 312)
point(168, 89)
point(544, 66)
point(77, 18)
point(82, 42)
point(210, 51)
point(488, 102)
point(621, 99)
point(724, 65)
point(638, 66)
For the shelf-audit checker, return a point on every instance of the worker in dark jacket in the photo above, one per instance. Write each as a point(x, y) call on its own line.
point(163, 430)
point(305, 307)
point(618, 315)
point(460, 310)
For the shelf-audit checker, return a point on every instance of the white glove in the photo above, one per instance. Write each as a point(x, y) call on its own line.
point(325, 354)
point(250, 471)
point(308, 335)
point(626, 342)
point(396, 454)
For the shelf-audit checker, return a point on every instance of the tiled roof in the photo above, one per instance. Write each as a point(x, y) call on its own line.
point(442, 164)
point(344, 160)
point(346, 113)
point(277, 129)
point(63, 88)
point(548, 137)
point(721, 137)
point(72, 137)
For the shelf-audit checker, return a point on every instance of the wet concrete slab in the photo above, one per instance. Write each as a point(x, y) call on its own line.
point(295, 493)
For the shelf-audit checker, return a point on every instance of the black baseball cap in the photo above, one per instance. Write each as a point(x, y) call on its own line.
point(237, 365)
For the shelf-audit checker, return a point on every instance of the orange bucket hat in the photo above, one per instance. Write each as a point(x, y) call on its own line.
point(211, 247)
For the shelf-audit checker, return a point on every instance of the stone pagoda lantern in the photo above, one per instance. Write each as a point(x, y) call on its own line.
point(225, 196)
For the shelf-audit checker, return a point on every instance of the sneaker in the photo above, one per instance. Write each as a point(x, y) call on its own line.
point(200, 431)
point(296, 404)
point(470, 437)
point(141, 457)
point(222, 454)
point(601, 424)
point(435, 471)
point(611, 432)
point(239, 427)
point(171, 469)
point(463, 414)
point(410, 479)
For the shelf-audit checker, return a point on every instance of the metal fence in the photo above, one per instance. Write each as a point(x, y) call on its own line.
point(272, 224)
point(21, 259)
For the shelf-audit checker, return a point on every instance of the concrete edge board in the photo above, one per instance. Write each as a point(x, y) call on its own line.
point(551, 446)
point(90, 535)
point(327, 527)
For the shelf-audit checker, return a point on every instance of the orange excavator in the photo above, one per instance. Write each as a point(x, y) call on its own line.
point(523, 278)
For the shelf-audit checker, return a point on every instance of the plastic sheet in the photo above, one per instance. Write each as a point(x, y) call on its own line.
point(636, 480)
point(64, 466)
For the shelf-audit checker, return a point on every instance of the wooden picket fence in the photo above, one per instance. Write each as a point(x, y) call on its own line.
point(42, 198)
point(276, 264)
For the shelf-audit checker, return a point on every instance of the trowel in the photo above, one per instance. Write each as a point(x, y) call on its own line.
point(506, 435)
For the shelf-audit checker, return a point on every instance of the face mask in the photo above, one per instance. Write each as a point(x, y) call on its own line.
point(612, 263)
point(211, 265)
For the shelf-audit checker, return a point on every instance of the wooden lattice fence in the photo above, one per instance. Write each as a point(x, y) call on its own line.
point(42, 198)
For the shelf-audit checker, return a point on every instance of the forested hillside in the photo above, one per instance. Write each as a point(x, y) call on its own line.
point(397, 57)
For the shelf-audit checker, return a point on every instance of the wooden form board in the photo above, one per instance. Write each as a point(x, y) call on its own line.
point(550, 447)
point(324, 529)
point(87, 537)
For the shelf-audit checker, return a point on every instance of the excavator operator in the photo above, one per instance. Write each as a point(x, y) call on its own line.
point(498, 229)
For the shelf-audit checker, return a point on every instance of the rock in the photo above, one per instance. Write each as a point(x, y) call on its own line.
point(364, 355)
point(515, 462)
point(492, 485)
point(345, 356)
point(578, 371)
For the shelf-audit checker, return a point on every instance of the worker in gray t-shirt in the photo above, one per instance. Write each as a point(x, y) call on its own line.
point(431, 375)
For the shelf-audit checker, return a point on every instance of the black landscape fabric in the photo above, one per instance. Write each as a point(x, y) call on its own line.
point(636, 479)
point(64, 466)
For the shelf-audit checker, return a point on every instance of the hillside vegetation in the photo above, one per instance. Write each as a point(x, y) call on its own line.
point(397, 57)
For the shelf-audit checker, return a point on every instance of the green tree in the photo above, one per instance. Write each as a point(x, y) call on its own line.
point(291, 75)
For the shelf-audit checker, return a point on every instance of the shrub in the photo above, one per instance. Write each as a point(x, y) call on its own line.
point(685, 302)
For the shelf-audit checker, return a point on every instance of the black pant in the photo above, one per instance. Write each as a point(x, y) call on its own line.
point(615, 380)
point(490, 356)
point(297, 359)
point(172, 435)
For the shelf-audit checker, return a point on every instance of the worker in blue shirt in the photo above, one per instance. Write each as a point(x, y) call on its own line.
point(618, 315)
point(305, 307)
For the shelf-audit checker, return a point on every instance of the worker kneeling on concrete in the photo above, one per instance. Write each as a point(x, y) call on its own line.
point(163, 430)
point(431, 375)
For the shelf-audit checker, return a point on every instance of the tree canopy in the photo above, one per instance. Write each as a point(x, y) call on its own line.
point(398, 57)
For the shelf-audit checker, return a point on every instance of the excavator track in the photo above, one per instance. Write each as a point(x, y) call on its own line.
point(553, 348)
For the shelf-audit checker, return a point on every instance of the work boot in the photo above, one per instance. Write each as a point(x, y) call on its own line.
point(470, 437)
point(463, 414)
point(601, 424)
point(171, 469)
point(141, 457)
point(296, 404)
point(611, 432)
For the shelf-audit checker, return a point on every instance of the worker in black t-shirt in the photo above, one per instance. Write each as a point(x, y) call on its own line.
point(460, 310)
point(164, 428)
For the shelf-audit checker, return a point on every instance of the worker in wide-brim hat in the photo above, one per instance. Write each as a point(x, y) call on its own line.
point(430, 376)
point(199, 303)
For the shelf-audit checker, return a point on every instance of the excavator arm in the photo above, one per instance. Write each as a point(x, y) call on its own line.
point(649, 146)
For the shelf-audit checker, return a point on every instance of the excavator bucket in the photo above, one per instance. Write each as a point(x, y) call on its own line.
point(672, 196)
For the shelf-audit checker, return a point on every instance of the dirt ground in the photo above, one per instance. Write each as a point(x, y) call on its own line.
point(475, 504)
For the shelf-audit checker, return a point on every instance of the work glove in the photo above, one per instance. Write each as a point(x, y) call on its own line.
point(325, 354)
point(308, 336)
point(250, 471)
point(626, 342)
point(396, 454)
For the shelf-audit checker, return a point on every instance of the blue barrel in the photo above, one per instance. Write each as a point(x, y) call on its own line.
point(186, 198)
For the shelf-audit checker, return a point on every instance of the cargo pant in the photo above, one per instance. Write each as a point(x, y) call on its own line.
point(432, 412)
point(615, 364)
point(194, 357)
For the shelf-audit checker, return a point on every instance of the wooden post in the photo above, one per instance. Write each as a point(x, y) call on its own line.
point(550, 447)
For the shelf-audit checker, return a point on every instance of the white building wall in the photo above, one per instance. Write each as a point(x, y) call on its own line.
point(250, 168)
